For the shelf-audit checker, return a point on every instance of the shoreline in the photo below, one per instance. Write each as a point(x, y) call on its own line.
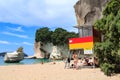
point(50, 71)
point(25, 61)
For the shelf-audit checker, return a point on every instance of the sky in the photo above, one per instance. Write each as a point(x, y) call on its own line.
point(19, 20)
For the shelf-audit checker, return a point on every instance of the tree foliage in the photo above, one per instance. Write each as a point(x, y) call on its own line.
point(108, 51)
point(43, 35)
point(58, 37)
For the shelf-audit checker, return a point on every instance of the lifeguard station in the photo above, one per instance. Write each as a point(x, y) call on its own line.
point(84, 44)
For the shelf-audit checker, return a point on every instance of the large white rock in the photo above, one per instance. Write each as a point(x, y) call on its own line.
point(55, 53)
point(13, 57)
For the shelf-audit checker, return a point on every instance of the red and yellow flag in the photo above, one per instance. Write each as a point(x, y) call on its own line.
point(81, 43)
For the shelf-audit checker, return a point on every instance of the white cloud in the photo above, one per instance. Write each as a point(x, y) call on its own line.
point(16, 35)
point(19, 29)
point(4, 42)
point(38, 12)
point(22, 43)
point(27, 43)
point(16, 43)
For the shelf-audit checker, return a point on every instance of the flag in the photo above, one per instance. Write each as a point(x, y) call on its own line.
point(81, 43)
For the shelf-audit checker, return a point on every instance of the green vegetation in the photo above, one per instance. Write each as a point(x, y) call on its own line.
point(43, 35)
point(20, 49)
point(58, 37)
point(108, 51)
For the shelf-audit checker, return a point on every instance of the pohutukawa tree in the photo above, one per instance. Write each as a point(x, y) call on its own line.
point(108, 51)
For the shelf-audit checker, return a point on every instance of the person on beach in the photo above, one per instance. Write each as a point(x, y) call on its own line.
point(42, 62)
point(75, 58)
point(67, 62)
point(54, 58)
point(85, 61)
point(96, 63)
point(90, 62)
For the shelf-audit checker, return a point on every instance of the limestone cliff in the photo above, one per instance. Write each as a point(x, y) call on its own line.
point(48, 50)
point(38, 52)
point(88, 11)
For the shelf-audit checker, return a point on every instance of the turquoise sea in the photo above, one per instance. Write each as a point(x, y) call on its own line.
point(24, 61)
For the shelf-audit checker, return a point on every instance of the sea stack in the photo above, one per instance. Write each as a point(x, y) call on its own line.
point(15, 56)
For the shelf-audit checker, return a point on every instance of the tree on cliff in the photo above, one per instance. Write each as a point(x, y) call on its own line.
point(43, 35)
point(58, 37)
point(108, 51)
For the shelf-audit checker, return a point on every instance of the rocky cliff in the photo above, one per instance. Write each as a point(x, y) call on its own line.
point(88, 11)
point(38, 52)
point(49, 50)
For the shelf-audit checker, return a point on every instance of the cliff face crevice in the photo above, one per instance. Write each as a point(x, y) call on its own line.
point(88, 11)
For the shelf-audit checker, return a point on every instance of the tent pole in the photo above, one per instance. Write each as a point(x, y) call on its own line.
point(93, 59)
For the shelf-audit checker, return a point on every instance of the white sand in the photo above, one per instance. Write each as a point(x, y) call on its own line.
point(49, 71)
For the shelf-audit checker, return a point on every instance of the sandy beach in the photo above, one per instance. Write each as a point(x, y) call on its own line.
point(49, 71)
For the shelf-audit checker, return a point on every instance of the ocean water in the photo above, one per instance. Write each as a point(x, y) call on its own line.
point(24, 61)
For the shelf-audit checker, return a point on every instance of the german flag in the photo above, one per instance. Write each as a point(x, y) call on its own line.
point(81, 43)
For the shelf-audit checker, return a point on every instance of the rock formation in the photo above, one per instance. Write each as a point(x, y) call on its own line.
point(88, 11)
point(55, 53)
point(42, 50)
point(48, 50)
point(38, 52)
point(15, 56)
point(2, 54)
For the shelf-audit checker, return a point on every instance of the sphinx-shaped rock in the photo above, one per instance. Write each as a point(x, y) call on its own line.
point(15, 56)
point(88, 11)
